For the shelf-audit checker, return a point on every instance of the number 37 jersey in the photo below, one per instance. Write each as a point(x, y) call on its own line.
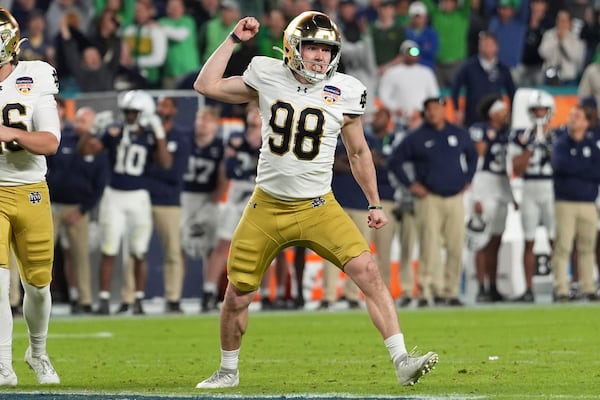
point(27, 103)
point(300, 126)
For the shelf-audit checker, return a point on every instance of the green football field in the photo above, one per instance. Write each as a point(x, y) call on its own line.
point(504, 352)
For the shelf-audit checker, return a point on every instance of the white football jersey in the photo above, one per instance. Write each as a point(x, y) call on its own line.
point(27, 102)
point(300, 126)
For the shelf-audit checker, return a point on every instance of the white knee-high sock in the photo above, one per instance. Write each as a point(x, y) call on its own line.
point(37, 304)
point(6, 319)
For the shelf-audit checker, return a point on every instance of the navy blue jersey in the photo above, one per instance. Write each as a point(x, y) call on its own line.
point(496, 142)
point(242, 165)
point(130, 156)
point(73, 178)
point(165, 185)
point(203, 167)
point(444, 160)
point(540, 163)
point(576, 167)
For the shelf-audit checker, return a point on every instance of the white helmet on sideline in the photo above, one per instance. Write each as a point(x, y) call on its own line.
point(477, 233)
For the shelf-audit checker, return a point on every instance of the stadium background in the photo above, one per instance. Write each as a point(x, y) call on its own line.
point(510, 269)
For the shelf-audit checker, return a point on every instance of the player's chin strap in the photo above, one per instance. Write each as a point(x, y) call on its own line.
point(279, 50)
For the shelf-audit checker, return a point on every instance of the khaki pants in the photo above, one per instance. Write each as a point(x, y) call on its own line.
point(331, 272)
point(440, 223)
point(166, 221)
point(14, 291)
point(574, 221)
point(408, 239)
point(78, 239)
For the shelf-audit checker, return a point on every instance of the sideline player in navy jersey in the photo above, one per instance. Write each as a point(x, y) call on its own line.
point(204, 185)
point(76, 185)
point(491, 194)
point(29, 131)
point(165, 187)
point(241, 159)
point(304, 106)
point(125, 208)
point(530, 152)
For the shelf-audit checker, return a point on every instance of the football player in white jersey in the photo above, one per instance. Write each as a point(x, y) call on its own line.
point(304, 104)
point(530, 152)
point(30, 130)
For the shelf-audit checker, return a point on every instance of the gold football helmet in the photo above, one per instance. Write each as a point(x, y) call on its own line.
point(312, 27)
point(10, 37)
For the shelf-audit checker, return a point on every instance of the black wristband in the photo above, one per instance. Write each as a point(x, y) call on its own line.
point(235, 37)
point(375, 207)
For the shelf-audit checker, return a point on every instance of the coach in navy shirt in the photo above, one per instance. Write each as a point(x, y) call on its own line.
point(576, 164)
point(444, 159)
point(76, 183)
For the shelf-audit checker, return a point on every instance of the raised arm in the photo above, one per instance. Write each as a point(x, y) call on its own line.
point(210, 81)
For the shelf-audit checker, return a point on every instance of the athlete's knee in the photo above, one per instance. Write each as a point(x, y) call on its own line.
point(36, 293)
point(237, 300)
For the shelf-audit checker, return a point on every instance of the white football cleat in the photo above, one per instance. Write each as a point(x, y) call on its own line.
point(44, 371)
point(7, 376)
point(410, 369)
point(221, 379)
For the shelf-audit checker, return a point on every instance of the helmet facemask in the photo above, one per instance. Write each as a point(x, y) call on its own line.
point(311, 27)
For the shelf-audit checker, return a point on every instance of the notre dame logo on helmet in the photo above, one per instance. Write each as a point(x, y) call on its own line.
point(35, 197)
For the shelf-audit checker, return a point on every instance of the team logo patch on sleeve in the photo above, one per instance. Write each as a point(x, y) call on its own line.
point(24, 84)
point(331, 94)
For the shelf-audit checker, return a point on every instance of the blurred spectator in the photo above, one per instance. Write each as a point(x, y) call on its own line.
point(387, 36)
point(202, 10)
point(509, 29)
point(38, 46)
point(590, 33)
point(58, 9)
point(369, 11)
point(480, 76)
point(529, 72)
point(21, 9)
point(124, 10)
point(72, 23)
point(404, 87)
point(182, 53)
point(590, 82)
point(270, 34)
point(358, 55)
point(563, 52)
point(478, 22)
point(402, 16)
point(451, 22)
point(420, 32)
point(146, 44)
point(213, 32)
point(91, 73)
